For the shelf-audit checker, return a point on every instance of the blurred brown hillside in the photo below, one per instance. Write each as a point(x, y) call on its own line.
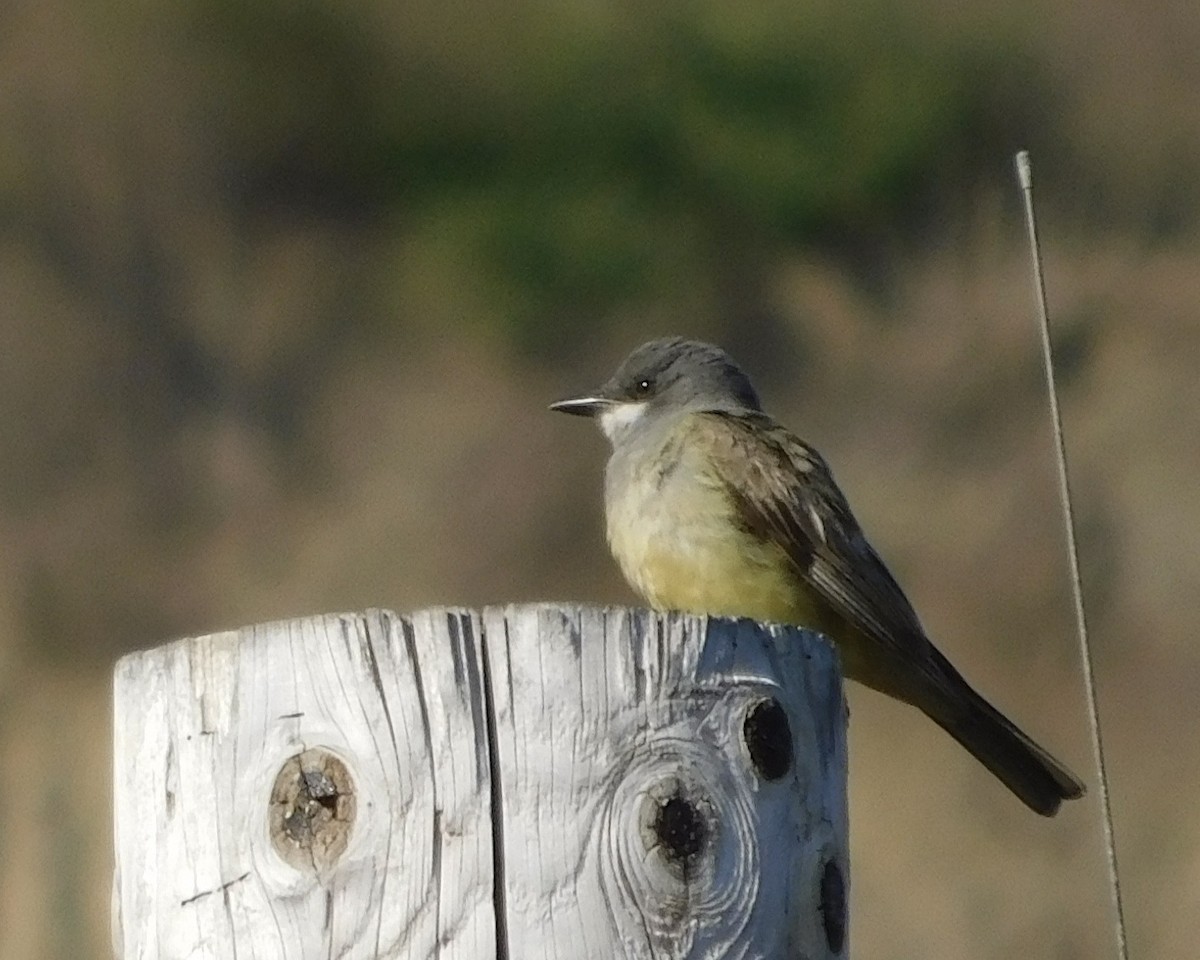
point(288, 285)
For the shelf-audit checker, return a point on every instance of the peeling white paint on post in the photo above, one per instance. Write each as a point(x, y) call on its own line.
point(529, 782)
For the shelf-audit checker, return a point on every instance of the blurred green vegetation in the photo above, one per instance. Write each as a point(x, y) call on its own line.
point(210, 208)
point(610, 153)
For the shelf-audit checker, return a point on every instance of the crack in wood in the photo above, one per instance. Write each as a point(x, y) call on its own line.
point(499, 904)
point(223, 889)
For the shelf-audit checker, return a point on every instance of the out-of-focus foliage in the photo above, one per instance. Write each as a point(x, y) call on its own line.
point(559, 158)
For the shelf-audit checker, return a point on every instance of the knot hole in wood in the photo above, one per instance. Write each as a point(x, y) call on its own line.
point(679, 853)
point(312, 810)
point(768, 739)
point(833, 905)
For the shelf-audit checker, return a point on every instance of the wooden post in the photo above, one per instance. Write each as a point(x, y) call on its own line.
point(529, 782)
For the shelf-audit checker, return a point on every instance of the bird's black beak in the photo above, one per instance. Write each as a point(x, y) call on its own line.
point(583, 406)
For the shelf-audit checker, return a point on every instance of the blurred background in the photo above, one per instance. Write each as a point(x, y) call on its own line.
point(287, 286)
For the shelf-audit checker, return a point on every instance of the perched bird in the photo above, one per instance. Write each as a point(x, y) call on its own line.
point(713, 507)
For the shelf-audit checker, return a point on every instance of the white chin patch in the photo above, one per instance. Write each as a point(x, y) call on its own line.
point(616, 419)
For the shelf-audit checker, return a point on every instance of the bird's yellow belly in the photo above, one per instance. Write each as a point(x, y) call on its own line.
point(686, 552)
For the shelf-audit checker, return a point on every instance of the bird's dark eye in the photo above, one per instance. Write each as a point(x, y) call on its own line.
point(642, 388)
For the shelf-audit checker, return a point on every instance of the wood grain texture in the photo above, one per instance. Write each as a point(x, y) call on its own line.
point(529, 782)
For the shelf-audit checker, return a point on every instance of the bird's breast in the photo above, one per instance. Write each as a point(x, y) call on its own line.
point(674, 531)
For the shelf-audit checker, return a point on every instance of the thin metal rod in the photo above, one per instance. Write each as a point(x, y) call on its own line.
point(1025, 177)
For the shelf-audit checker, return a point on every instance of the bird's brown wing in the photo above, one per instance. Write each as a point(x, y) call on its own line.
point(786, 494)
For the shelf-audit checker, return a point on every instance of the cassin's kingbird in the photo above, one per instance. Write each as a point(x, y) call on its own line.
point(713, 507)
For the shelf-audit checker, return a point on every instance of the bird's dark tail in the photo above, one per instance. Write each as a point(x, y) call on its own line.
point(1040, 781)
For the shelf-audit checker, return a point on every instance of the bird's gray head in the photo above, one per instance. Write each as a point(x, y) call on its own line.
point(665, 377)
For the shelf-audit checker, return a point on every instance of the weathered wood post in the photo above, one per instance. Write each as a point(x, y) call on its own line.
point(529, 782)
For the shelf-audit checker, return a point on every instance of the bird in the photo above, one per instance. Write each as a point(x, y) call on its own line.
point(713, 507)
